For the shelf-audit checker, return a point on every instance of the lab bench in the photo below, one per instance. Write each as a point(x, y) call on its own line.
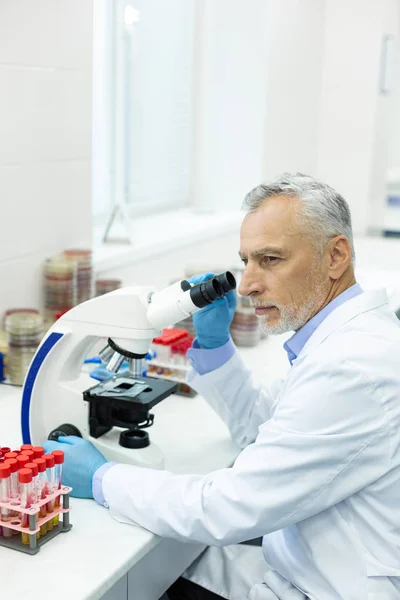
point(101, 558)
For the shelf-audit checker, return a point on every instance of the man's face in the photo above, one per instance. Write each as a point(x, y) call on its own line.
point(285, 276)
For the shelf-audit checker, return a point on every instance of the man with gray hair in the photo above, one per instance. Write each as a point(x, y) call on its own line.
point(318, 477)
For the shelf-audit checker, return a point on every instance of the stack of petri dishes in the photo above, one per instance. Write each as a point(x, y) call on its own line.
point(24, 329)
point(245, 329)
point(103, 286)
point(60, 286)
point(82, 258)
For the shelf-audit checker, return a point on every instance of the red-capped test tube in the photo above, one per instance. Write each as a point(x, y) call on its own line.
point(35, 484)
point(4, 450)
point(35, 480)
point(10, 455)
point(25, 488)
point(14, 486)
point(41, 464)
point(38, 451)
point(59, 460)
point(1, 457)
point(26, 447)
point(29, 453)
point(5, 474)
point(14, 489)
point(50, 462)
point(22, 460)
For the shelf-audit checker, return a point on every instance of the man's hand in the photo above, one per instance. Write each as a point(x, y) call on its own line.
point(81, 461)
point(212, 323)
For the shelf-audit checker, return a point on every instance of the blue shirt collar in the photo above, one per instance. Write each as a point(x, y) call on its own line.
point(296, 343)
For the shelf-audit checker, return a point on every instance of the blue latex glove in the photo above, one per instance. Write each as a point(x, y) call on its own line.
point(81, 461)
point(212, 323)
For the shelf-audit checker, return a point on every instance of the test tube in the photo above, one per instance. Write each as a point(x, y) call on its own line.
point(29, 453)
point(35, 480)
point(5, 473)
point(4, 450)
point(25, 488)
point(26, 447)
point(10, 455)
point(50, 462)
point(41, 464)
point(38, 451)
point(14, 487)
point(59, 460)
point(35, 484)
point(22, 460)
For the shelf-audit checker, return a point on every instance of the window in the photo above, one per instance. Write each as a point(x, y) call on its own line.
point(143, 104)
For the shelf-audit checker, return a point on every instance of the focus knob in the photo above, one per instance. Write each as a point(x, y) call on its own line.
point(65, 429)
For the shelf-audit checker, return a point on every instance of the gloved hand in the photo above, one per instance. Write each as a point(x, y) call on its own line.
point(212, 322)
point(81, 461)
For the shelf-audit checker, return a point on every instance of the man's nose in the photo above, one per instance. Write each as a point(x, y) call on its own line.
point(250, 283)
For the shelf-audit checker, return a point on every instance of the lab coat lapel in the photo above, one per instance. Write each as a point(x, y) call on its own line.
point(342, 315)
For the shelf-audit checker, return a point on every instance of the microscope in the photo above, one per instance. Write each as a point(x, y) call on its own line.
point(59, 399)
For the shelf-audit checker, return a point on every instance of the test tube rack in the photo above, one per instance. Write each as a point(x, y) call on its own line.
point(36, 522)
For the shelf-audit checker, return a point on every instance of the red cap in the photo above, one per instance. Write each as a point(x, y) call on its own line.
point(22, 460)
point(39, 451)
point(58, 456)
point(5, 450)
point(29, 453)
point(26, 447)
point(13, 464)
point(41, 464)
point(10, 455)
point(25, 475)
point(1, 454)
point(33, 467)
point(5, 471)
point(49, 458)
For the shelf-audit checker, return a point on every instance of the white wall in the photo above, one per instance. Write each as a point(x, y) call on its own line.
point(45, 138)
point(295, 34)
point(355, 118)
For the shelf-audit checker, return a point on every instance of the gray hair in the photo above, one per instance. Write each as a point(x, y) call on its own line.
point(325, 212)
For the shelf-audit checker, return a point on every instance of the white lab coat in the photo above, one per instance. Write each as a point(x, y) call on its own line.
point(319, 475)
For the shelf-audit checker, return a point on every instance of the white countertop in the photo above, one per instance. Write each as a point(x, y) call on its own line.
point(85, 562)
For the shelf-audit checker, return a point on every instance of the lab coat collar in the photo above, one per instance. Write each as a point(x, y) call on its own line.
point(341, 315)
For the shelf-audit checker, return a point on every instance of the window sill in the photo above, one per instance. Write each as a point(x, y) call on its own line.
point(155, 235)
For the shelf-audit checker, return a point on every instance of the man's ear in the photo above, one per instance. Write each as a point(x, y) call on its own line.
point(339, 256)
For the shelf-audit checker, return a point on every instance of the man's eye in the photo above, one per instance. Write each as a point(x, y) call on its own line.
point(269, 260)
point(244, 261)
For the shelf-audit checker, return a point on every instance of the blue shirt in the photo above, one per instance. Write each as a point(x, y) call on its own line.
point(205, 361)
point(296, 343)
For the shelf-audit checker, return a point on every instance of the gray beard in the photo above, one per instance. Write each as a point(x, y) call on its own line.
point(290, 319)
point(294, 317)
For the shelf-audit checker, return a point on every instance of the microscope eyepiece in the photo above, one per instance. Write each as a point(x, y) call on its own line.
point(208, 291)
point(227, 281)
